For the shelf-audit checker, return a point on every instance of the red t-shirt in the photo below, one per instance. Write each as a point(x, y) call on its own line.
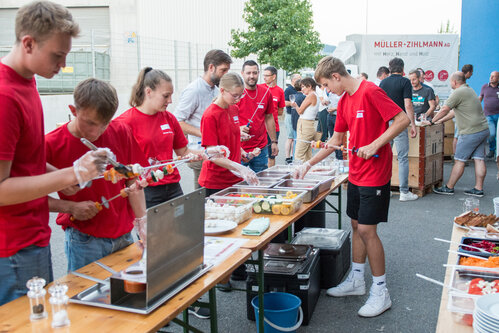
point(366, 114)
point(220, 127)
point(63, 148)
point(22, 143)
point(158, 135)
point(278, 101)
point(260, 100)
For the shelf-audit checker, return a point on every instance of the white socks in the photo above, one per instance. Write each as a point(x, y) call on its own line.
point(379, 282)
point(358, 271)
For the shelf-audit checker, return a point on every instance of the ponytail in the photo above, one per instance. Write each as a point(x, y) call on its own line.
point(148, 77)
point(230, 81)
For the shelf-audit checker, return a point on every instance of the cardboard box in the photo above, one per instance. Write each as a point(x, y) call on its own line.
point(423, 171)
point(449, 127)
point(428, 141)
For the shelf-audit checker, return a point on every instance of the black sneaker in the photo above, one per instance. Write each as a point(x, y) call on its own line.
point(490, 154)
point(289, 160)
point(474, 192)
point(201, 313)
point(443, 190)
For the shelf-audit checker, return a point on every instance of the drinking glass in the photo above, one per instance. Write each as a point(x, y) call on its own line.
point(292, 98)
point(471, 204)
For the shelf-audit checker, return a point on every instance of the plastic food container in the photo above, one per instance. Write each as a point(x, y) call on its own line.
point(472, 241)
point(265, 201)
point(228, 209)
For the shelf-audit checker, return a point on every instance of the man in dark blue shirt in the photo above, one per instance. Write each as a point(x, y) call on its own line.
point(290, 129)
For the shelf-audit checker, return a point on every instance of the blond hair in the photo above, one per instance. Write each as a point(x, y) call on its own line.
point(230, 81)
point(148, 77)
point(97, 95)
point(40, 19)
point(328, 66)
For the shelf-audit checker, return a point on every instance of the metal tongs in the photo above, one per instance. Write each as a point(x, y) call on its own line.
point(121, 168)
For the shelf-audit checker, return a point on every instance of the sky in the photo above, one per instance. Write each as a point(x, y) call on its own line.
point(335, 19)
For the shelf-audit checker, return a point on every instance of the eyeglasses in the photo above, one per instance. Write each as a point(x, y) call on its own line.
point(267, 75)
point(236, 97)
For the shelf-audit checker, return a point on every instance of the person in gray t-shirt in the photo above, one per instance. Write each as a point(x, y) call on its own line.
point(196, 98)
point(423, 97)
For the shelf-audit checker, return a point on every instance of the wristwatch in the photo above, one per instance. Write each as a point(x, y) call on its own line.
point(274, 141)
point(431, 122)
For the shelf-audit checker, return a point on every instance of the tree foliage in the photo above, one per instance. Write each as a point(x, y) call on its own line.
point(447, 29)
point(280, 33)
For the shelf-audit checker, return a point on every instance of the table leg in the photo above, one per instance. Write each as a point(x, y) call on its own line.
point(339, 207)
point(185, 319)
point(213, 310)
point(260, 291)
point(290, 233)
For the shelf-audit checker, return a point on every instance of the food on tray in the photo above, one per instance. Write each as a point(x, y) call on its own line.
point(479, 286)
point(491, 262)
point(485, 245)
point(471, 219)
point(227, 211)
point(492, 230)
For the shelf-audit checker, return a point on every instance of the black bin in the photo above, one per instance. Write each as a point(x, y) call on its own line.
point(335, 254)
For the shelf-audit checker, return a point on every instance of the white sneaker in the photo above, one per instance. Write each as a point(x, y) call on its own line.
point(377, 303)
point(349, 287)
point(409, 196)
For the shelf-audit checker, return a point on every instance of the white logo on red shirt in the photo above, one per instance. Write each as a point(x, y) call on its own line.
point(166, 129)
point(260, 106)
point(360, 114)
point(275, 99)
point(236, 119)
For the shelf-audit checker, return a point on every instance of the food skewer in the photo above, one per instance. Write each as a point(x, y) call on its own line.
point(121, 168)
point(250, 121)
point(106, 267)
point(462, 245)
point(105, 202)
point(466, 255)
point(91, 278)
point(440, 283)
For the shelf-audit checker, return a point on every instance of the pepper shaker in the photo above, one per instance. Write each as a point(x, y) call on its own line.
point(59, 301)
point(36, 295)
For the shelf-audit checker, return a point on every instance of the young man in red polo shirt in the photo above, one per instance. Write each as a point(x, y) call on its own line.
point(43, 39)
point(256, 110)
point(270, 78)
point(92, 234)
point(364, 111)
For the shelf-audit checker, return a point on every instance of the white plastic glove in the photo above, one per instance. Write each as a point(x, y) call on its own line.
point(217, 152)
point(140, 226)
point(300, 171)
point(91, 165)
point(245, 173)
point(245, 136)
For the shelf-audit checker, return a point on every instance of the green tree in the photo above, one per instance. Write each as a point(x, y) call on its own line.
point(280, 33)
point(447, 29)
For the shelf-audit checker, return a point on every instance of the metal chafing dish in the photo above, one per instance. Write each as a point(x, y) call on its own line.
point(310, 186)
point(264, 182)
point(281, 168)
point(274, 174)
point(325, 181)
point(265, 200)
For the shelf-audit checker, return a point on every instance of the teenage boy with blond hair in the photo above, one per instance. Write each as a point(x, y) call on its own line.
point(92, 234)
point(43, 39)
point(364, 111)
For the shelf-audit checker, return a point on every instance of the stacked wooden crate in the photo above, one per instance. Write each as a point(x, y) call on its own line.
point(425, 160)
point(448, 139)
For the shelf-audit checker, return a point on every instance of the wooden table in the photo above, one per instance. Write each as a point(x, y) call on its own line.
point(445, 323)
point(14, 316)
point(279, 223)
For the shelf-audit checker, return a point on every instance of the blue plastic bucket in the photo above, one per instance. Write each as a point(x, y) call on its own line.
point(282, 312)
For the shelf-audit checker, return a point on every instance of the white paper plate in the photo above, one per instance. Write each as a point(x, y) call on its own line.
point(486, 324)
point(215, 227)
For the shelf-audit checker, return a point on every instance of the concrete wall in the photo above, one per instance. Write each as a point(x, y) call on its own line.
point(480, 40)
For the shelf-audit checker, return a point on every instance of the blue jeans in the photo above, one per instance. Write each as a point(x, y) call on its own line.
point(17, 269)
point(402, 145)
point(331, 121)
point(258, 163)
point(492, 120)
point(82, 249)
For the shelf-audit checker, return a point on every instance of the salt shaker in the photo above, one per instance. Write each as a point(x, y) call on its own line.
point(36, 295)
point(59, 301)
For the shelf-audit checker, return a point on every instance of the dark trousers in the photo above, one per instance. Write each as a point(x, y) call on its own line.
point(331, 121)
point(322, 125)
point(156, 195)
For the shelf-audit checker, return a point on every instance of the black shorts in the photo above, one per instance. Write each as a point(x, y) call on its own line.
point(269, 145)
point(368, 204)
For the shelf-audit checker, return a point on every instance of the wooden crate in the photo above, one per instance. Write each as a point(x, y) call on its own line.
point(429, 140)
point(424, 172)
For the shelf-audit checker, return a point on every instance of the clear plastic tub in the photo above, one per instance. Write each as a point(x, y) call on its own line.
point(228, 209)
point(265, 201)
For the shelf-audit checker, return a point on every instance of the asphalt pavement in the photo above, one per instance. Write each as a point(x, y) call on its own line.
point(409, 249)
